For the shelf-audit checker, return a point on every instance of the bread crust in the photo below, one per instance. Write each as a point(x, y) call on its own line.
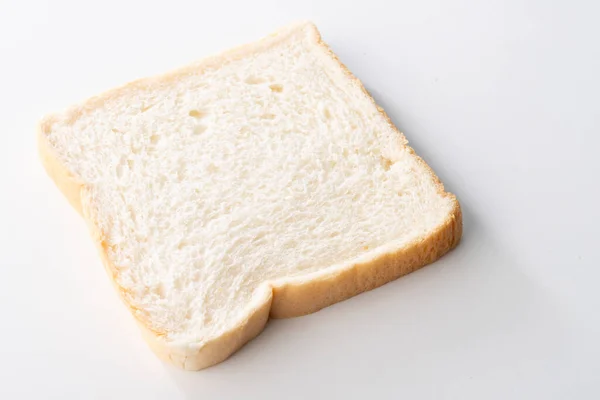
point(277, 299)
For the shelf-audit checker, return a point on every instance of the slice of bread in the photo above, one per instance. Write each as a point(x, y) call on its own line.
point(261, 182)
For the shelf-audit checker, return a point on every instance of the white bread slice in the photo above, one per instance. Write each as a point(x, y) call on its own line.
point(261, 182)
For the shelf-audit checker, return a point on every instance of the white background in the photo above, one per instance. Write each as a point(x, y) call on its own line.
point(502, 98)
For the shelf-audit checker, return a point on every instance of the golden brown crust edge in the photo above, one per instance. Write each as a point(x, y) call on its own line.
point(295, 299)
point(282, 299)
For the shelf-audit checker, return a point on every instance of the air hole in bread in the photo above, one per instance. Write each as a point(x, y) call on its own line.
point(161, 180)
point(159, 290)
point(119, 171)
point(268, 116)
point(146, 107)
point(132, 213)
point(154, 139)
point(181, 174)
point(254, 80)
point(277, 88)
point(197, 113)
point(199, 129)
point(212, 168)
point(327, 113)
point(385, 163)
point(178, 285)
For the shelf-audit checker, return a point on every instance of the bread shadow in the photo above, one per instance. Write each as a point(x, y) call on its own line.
point(473, 312)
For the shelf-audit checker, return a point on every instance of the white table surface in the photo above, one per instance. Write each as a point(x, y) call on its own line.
point(502, 98)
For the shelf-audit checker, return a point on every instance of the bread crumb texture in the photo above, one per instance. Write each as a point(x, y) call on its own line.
point(265, 163)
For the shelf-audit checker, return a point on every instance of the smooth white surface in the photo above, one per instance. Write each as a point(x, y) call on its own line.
point(501, 98)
